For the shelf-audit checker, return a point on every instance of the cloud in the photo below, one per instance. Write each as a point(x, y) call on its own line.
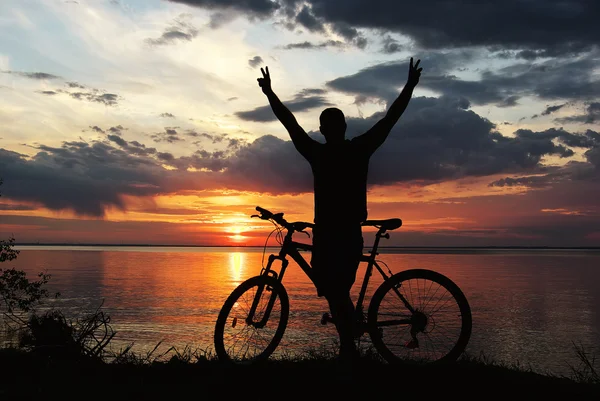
point(49, 93)
point(170, 135)
point(218, 19)
point(306, 19)
point(75, 85)
point(590, 116)
point(81, 92)
point(95, 128)
point(8, 206)
point(255, 61)
point(551, 109)
point(179, 30)
point(94, 95)
point(77, 176)
point(534, 29)
point(117, 129)
point(390, 46)
point(33, 75)
point(434, 24)
point(551, 80)
point(314, 46)
point(303, 101)
point(509, 101)
point(253, 8)
point(436, 139)
point(167, 115)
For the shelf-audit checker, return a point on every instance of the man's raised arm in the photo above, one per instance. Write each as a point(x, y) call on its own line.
point(378, 134)
point(300, 138)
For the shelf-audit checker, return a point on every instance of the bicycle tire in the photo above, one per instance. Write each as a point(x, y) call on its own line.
point(227, 352)
point(382, 338)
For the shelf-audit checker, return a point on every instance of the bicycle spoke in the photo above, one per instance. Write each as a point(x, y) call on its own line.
point(432, 332)
point(244, 340)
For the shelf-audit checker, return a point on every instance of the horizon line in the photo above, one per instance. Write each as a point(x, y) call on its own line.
point(276, 246)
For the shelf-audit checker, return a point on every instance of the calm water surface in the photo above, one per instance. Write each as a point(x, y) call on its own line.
point(529, 306)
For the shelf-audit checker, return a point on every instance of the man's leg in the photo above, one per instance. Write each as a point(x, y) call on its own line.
point(342, 312)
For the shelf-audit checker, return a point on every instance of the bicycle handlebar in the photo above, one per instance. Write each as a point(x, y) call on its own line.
point(278, 218)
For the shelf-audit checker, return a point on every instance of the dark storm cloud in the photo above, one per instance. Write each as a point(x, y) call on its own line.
point(551, 109)
point(165, 156)
point(422, 146)
point(117, 139)
point(551, 80)
point(307, 20)
point(536, 28)
point(255, 61)
point(534, 181)
point(302, 102)
point(572, 170)
point(33, 75)
point(77, 176)
point(90, 177)
point(260, 8)
point(590, 116)
point(270, 164)
point(180, 29)
point(552, 25)
point(6, 206)
point(587, 139)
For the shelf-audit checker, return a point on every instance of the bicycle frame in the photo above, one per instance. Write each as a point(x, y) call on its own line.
point(292, 249)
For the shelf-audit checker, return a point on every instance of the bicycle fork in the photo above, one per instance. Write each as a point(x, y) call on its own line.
point(267, 272)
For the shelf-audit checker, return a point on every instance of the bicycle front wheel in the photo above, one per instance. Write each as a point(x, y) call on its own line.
point(252, 321)
point(419, 315)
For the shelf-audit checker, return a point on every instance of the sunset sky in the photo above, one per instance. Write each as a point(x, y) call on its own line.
point(142, 122)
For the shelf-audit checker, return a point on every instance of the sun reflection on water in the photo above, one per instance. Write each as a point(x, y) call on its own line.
point(237, 266)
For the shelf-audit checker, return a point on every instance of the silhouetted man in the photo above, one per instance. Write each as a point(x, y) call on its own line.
point(339, 169)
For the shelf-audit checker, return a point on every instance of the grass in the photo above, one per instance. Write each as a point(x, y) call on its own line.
point(59, 358)
point(181, 374)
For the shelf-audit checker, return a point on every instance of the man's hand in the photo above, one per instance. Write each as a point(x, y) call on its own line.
point(414, 73)
point(265, 81)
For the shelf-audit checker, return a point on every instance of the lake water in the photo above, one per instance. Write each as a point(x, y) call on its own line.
point(529, 306)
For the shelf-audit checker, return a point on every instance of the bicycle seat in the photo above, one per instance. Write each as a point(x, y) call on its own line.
point(389, 224)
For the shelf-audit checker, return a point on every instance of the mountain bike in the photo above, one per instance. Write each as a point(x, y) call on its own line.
point(414, 315)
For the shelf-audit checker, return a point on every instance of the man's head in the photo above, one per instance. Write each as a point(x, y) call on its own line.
point(333, 124)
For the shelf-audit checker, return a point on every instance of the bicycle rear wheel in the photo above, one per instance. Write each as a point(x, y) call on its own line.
point(437, 329)
point(239, 339)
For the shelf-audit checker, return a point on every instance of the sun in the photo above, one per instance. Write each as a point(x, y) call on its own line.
point(235, 234)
